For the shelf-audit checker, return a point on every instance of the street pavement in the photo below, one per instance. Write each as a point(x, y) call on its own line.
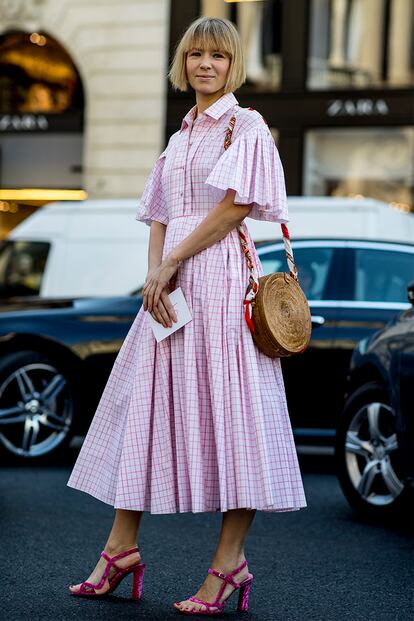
point(320, 563)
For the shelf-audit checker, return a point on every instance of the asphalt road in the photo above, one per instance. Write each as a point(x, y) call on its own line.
point(320, 563)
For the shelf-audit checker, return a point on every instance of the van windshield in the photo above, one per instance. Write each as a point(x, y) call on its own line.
point(22, 264)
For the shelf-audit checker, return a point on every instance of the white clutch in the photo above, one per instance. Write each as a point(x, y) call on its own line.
point(183, 316)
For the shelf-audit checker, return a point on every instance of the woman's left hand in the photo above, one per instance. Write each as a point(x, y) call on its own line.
point(157, 280)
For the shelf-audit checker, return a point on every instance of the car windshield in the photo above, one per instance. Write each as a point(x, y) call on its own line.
point(22, 265)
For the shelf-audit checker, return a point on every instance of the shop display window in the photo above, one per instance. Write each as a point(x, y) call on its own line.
point(361, 162)
point(259, 23)
point(37, 76)
point(361, 44)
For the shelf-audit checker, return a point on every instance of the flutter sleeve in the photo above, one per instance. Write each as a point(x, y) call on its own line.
point(251, 166)
point(153, 205)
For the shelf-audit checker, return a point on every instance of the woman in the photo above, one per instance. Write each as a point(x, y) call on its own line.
point(199, 421)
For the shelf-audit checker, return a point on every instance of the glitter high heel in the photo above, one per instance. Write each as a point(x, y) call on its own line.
point(217, 606)
point(88, 589)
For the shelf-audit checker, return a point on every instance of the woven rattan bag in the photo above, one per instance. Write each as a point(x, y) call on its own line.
point(276, 309)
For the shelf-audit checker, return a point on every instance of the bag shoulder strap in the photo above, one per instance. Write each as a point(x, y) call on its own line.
point(285, 231)
point(253, 286)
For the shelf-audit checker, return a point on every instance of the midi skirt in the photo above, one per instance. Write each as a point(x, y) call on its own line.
point(198, 422)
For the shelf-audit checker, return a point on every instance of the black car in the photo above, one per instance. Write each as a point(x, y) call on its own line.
point(56, 355)
point(55, 358)
point(375, 440)
point(354, 287)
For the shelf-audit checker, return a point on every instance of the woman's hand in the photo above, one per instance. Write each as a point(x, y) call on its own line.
point(164, 313)
point(156, 289)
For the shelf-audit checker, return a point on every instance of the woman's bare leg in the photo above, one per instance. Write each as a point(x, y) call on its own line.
point(229, 554)
point(122, 537)
point(124, 530)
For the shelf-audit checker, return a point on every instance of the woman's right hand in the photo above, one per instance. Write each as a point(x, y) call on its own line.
point(164, 312)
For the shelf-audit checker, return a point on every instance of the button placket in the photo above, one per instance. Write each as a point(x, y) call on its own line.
point(196, 138)
point(182, 168)
point(191, 140)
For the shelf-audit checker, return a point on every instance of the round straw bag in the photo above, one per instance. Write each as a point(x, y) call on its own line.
point(280, 318)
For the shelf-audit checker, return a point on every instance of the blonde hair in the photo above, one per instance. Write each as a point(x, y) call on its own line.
point(209, 33)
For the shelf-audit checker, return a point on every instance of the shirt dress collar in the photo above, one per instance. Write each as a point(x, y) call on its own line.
point(216, 110)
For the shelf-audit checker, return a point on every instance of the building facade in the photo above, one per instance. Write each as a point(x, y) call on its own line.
point(334, 80)
point(83, 98)
point(85, 105)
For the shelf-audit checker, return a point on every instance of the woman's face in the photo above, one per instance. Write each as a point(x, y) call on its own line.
point(207, 70)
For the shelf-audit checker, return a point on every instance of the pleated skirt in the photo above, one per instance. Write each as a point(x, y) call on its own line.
point(198, 422)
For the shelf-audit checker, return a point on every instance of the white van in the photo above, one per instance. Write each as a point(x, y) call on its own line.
point(80, 248)
point(97, 248)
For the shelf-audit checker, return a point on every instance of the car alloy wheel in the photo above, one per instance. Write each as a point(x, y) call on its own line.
point(36, 405)
point(370, 448)
point(367, 455)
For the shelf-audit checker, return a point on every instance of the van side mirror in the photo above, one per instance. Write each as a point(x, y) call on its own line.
point(410, 292)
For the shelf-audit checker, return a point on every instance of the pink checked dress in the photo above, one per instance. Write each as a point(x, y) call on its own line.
point(199, 422)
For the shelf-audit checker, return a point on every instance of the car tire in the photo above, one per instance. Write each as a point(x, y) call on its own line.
point(37, 407)
point(367, 456)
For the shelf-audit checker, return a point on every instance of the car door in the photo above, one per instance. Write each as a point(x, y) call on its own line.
point(310, 379)
point(375, 290)
point(402, 380)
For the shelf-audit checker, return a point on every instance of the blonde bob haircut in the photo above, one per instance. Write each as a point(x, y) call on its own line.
point(215, 34)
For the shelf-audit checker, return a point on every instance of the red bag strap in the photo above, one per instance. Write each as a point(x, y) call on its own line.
point(253, 286)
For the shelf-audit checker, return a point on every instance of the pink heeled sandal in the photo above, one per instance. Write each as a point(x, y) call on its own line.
point(88, 589)
point(242, 602)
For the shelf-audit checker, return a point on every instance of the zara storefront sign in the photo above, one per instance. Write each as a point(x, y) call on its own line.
point(23, 122)
point(357, 107)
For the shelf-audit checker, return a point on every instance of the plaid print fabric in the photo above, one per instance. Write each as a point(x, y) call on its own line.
point(199, 422)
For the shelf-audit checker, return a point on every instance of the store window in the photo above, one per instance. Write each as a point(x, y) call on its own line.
point(371, 162)
point(37, 76)
point(361, 43)
point(259, 23)
point(41, 134)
